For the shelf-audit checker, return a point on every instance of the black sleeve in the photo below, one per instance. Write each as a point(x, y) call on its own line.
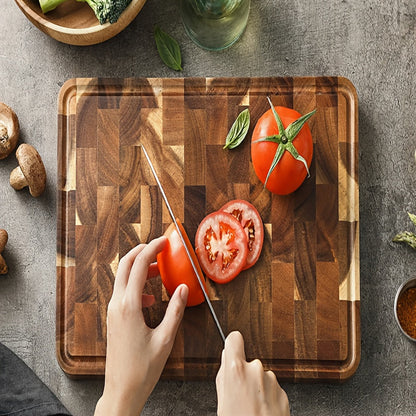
point(22, 393)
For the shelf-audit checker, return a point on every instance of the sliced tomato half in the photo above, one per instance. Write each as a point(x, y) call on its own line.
point(250, 219)
point(221, 246)
point(175, 267)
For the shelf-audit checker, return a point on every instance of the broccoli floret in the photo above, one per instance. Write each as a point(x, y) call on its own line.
point(48, 5)
point(105, 10)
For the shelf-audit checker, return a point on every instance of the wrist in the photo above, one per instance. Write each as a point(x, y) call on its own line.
point(107, 406)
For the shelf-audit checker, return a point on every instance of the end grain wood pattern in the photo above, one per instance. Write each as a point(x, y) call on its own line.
point(298, 307)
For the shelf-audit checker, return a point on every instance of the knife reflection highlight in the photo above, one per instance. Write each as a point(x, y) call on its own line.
point(214, 316)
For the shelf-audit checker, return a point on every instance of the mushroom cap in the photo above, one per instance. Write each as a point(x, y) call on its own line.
point(9, 123)
point(32, 168)
point(3, 239)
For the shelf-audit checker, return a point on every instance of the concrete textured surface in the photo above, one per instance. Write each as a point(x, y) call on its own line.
point(370, 42)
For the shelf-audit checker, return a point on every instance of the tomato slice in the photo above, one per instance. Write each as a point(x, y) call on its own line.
point(175, 267)
point(221, 246)
point(250, 219)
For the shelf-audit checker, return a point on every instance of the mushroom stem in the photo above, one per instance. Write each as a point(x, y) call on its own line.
point(3, 265)
point(17, 179)
point(3, 241)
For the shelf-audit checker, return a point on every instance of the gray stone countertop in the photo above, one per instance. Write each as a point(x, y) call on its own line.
point(373, 43)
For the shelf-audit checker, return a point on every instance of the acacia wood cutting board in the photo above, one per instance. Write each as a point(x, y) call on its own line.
point(298, 307)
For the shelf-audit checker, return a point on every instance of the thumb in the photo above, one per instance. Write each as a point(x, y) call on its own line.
point(174, 313)
point(234, 346)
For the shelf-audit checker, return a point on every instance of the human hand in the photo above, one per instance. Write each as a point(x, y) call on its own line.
point(136, 354)
point(244, 388)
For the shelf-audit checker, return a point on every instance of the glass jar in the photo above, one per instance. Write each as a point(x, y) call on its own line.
point(214, 24)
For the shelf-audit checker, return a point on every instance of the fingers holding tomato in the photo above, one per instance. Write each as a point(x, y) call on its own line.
point(175, 267)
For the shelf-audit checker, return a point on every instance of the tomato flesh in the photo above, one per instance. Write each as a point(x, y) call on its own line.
point(175, 267)
point(250, 219)
point(289, 173)
point(221, 246)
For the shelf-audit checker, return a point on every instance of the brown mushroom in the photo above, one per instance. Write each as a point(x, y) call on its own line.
point(30, 172)
point(9, 130)
point(3, 241)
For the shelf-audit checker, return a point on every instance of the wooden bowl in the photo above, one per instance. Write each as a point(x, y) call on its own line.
point(75, 23)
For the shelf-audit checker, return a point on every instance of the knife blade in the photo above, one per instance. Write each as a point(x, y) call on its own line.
point(172, 216)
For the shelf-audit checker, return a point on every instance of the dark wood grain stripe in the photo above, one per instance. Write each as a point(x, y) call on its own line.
point(283, 308)
point(130, 179)
point(305, 259)
point(215, 344)
point(195, 130)
point(194, 93)
point(65, 290)
point(107, 224)
point(128, 238)
point(195, 200)
point(347, 237)
point(86, 263)
point(195, 336)
point(130, 121)
point(173, 112)
point(151, 208)
point(327, 222)
point(283, 229)
point(305, 330)
point(218, 119)
point(108, 147)
point(326, 149)
point(85, 330)
point(66, 224)
point(239, 160)
point(109, 92)
point(261, 314)
point(216, 186)
point(86, 125)
point(327, 310)
point(86, 183)
point(105, 283)
point(305, 197)
point(237, 306)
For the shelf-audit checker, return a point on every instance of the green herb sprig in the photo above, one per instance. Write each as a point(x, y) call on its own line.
point(168, 49)
point(407, 236)
point(238, 130)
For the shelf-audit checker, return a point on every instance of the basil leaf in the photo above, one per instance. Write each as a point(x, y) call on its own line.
point(238, 130)
point(168, 49)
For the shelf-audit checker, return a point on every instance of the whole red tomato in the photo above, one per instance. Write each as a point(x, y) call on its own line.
point(175, 267)
point(274, 150)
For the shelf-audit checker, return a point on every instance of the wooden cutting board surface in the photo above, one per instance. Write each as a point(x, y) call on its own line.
point(298, 307)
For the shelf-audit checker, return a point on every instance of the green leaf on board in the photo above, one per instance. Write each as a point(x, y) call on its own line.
point(238, 130)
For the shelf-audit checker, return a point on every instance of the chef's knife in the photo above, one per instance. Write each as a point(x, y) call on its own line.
point(184, 244)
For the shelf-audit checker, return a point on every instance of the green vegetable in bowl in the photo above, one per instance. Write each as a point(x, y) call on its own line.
point(105, 10)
